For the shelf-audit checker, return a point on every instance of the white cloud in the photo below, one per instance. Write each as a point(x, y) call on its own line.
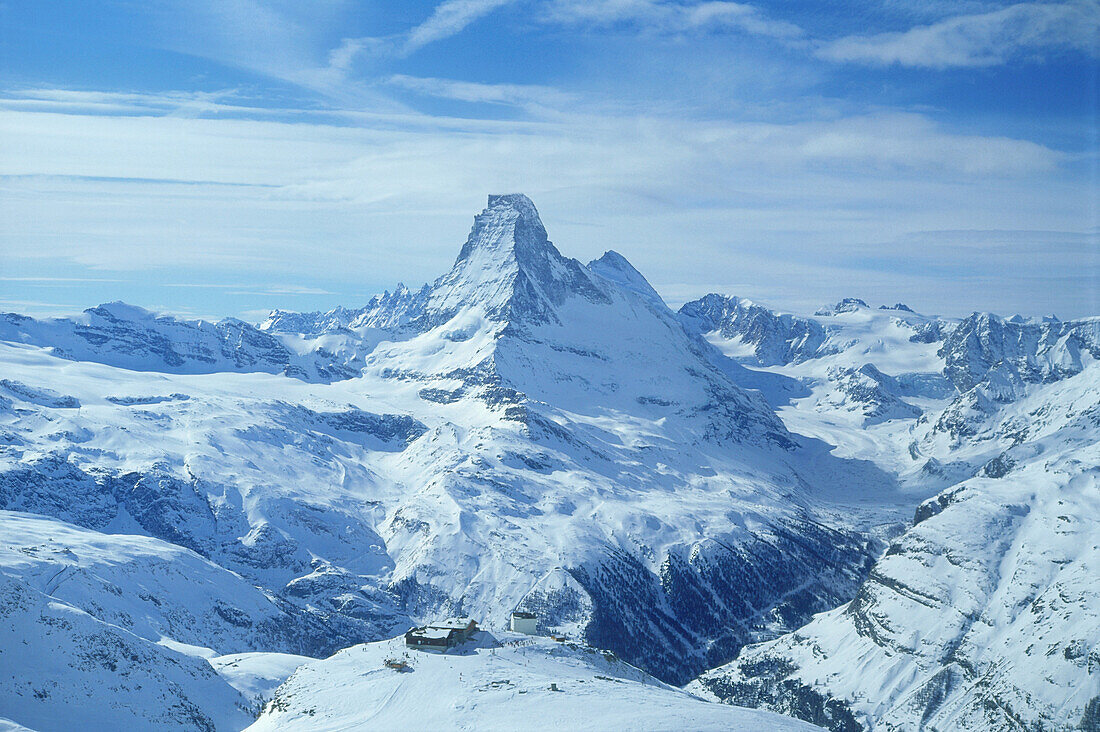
point(340, 207)
point(36, 306)
point(246, 289)
point(173, 103)
point(982, 39)
point(468, 91)
point(287, 41)
point(670, 17)
point(449, 18)
point(49, 281)
point(910, 141)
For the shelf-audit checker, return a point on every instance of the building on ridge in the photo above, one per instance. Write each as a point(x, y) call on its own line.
point(441, 636)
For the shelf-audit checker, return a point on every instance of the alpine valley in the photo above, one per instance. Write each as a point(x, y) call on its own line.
point(864, 518)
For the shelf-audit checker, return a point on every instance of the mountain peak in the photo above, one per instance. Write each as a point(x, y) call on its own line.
point(615, 268)
point(847, 305)
point(508, 227)
point(118, 310)
point(516, 201)
point(509, 267)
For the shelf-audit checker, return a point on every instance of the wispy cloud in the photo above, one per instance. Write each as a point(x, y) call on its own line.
point(449, 18)
point(289, 42)
point(352, 195)
point(912, 141)
point(671, 17)
point(467, 91)
point(452, 17)
point(35, 305)
point(168, 103)
point(245, 289)
point(56, 280)
point(775, 204)
point(981, 39)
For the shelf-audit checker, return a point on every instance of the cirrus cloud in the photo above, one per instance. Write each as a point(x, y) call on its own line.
point(981, 39)
point(671, 17)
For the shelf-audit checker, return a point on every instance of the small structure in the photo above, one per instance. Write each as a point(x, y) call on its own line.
point(524, 622)
point(441, 636)
point(397, 664)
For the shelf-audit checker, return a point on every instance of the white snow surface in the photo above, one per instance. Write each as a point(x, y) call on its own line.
point(257, 674)
point(526, 431)
point(498, 681)
point(81, 614)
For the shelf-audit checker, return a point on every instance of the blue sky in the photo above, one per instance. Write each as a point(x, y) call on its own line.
point(216, 158)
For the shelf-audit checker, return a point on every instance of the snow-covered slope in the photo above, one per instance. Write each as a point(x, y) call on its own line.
point(99, 630)
point(984, 614)
point(132, 338)
point(495, 682)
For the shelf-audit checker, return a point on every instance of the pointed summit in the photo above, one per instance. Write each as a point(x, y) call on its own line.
point(614, 267)
point(509, 268)
point(509, 227)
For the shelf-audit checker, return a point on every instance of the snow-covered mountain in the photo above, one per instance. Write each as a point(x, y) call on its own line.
point(129, 337)
point(983, 614)
point(532, 432)
point(527, 430)
point(96, 629)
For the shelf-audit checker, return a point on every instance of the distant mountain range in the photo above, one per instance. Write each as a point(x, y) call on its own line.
point(864, 518)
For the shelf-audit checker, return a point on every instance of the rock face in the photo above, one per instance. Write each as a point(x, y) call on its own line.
point(774, 339)
point(993, 362)
point(982, 616)
point(875, 394)
point(1022, 352)
point(847, 305)
point(511, 271)
point(390, 312)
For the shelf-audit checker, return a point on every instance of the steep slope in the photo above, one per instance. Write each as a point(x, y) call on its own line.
point(101, 629)
point(1028, 352)
point(982, 615)
point(600, 407)
point(271, 490)
point(148, 587)
point(865, 376)
point(771, 338)
point(494, 683)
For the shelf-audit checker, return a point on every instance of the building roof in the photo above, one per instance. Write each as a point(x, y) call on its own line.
point(523, 614)
point(453, 623)
point(435, 633)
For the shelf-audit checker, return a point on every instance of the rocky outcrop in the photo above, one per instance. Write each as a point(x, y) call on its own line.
point(775, 338)
point(129, 337)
